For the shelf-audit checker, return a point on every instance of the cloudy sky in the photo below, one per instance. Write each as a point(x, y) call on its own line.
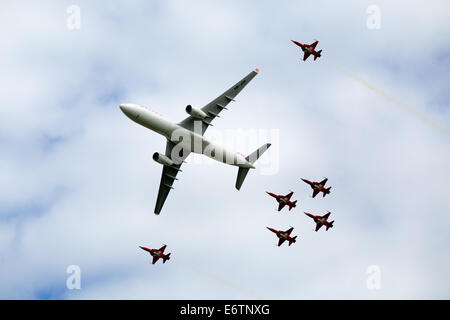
point(78, 185)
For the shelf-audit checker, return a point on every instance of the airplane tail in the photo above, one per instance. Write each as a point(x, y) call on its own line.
point(327, 191)
point(293, 206)
point(317, 55)
point(167, 257)
point(331, 225)
point(242, 173)
point(292, 240)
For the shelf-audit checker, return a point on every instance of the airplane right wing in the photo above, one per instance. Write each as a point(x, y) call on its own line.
point(213, 108)
point(306, 55)
point(318, 226)
point(290, 230)
point(155, 258)
point(314, 44)
point(315, 192)
point(281, 206)
point(323, 182)
point(289, 195)
point(169, 174)
point(162, 248)
point(280, 242)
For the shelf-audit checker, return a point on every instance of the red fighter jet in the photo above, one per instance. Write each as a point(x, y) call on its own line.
point(284, 235)
point(318, 187)
point(309, 49)
point(284, 200)
point(321, 221)
point(157, 253)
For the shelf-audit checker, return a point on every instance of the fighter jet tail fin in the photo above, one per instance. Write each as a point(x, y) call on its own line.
point(294, 204)
point(293, 240)
point(317, 55)
point(331, 225)
point(242, 173)
point(167, 257)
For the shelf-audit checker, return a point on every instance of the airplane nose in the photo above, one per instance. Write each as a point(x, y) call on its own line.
point(123, 107)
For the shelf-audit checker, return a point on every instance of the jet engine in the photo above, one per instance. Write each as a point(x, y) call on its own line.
point(162, 159)
point(196, 113)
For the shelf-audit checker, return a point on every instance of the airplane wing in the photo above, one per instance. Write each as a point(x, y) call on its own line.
point(315, 192)
point(323, 182)
point(213, 108)
point(289, 195)
point(314, 44)
point(280, 242)
point(290, 230)
point(326, 216)
point(162, 248)
point(155, 258)
point(318, 226)
point(306, 55)
point(169, 174)
point(281, 206)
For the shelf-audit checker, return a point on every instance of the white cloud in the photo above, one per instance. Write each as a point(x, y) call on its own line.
point(78, 185)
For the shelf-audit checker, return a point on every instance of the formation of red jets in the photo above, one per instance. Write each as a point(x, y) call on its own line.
point(283, 201)
point(308, 49)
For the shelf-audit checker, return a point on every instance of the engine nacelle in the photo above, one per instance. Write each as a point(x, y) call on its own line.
point(196, 113)
point(162, 159)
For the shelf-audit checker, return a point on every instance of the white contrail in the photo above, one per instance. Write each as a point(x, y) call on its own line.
point(397, 102)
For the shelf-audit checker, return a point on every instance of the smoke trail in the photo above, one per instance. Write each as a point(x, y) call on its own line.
point(397, 102)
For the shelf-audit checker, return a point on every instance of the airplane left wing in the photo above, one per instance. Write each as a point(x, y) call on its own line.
point(323, 182)
point(289, 195)
point(318, 226)
point(315, 192)
point(213, 108)
point(280, 242)
point(326, 216)
point(162, 248)
point(155, 258)
point(290, 230)
point(169, 174)
point(314, 44)
point(306, 55)
point(281, 206)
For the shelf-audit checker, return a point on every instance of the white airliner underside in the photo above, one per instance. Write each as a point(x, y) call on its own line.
point(187, 136)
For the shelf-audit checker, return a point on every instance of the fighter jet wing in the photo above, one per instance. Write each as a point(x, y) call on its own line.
point(314, 44)
point(162, 248)
point(155, 258)
point(323, 182)
point(280, 242)
point(281, 206)
point(326, 216)
point(318, 226)
point(169, 174)
point(290, 230)
point(213, 108)
point(306, 55)
point(315, 192)
point(289, 195)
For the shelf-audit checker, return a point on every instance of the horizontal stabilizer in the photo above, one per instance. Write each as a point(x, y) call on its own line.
point(258, 153)
point(242, 173)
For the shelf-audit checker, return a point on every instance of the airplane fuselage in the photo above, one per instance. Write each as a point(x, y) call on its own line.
point(185, 139)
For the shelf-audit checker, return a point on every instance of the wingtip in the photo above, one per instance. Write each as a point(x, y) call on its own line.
point(257, 70)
